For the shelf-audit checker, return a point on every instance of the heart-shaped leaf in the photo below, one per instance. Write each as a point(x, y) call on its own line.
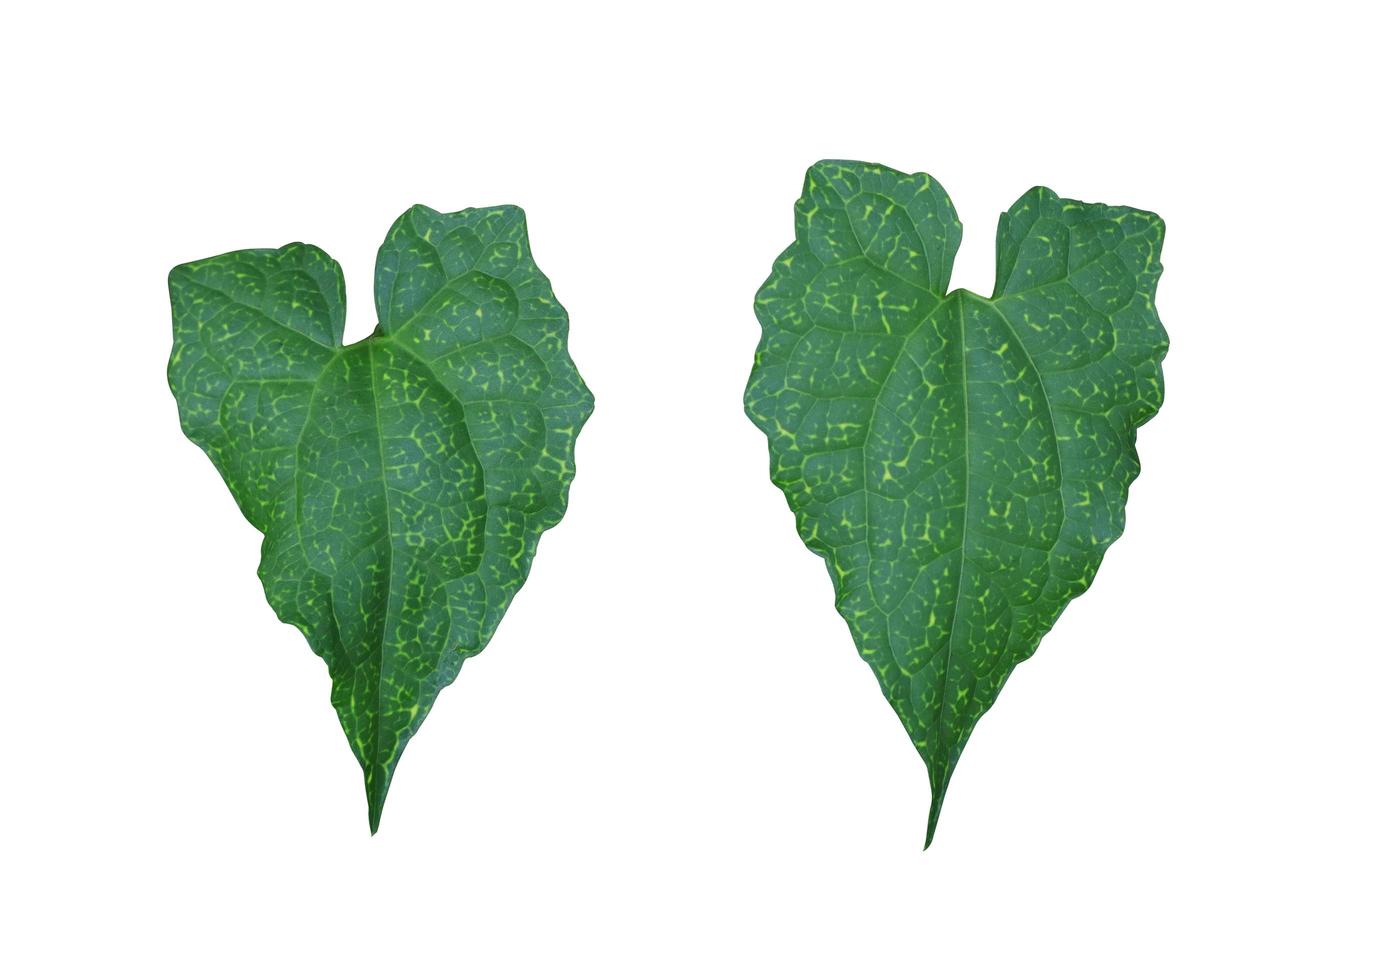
point(402, 482)
point(960, 463)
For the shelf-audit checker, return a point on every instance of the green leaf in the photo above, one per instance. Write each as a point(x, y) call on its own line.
point(402, 482)
point(960, 463)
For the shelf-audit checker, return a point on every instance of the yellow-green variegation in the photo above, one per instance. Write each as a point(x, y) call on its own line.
point(961, 463)
point(401, 482)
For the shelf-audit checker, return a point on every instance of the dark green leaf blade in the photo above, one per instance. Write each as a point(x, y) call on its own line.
point(960, 463)
point(402, 483)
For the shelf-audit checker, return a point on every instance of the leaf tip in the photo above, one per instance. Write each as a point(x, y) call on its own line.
point(939, 782)
point(936, 804)
point(376, 790)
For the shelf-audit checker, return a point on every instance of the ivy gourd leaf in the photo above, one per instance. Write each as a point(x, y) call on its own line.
point(402, 482)
point(960, 463)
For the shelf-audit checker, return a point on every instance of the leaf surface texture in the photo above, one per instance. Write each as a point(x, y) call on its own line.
point(960, 463)
point(402, 483)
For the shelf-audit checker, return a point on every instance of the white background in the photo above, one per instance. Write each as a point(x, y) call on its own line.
point(670, 762)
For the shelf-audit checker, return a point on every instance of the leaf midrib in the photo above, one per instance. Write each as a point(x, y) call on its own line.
point(370, 344)
point(391, 610)
point(958, 297)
